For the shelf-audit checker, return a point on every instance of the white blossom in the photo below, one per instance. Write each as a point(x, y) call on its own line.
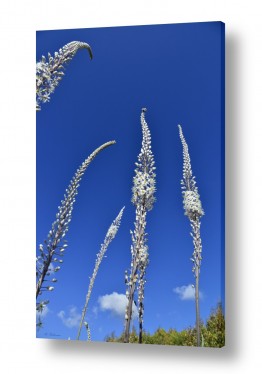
point(192, 203)
point(40, 307)
point(49, 72)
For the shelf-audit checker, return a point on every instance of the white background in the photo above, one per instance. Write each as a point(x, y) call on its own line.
point(20, 351)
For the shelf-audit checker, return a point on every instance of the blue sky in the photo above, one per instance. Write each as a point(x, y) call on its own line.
point(176, 72)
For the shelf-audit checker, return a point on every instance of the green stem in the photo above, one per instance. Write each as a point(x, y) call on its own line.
point(129, 307)
point(197, 308)
point(140, 322)
point(133, 275)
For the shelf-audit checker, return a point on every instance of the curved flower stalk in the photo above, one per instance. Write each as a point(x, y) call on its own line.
point(49, 72)
point(194, 211)
point(52, 251)
point(143, 198)
point(110, 235)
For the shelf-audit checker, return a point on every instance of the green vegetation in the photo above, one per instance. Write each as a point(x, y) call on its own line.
point(212, 333)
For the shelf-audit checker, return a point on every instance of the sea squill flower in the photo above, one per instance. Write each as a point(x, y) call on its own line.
point(54, 246)
point(194, 211)
point(143, 198)
point(110, 235)
point(49, 71)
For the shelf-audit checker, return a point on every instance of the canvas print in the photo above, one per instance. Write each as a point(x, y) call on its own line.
point(130, 184)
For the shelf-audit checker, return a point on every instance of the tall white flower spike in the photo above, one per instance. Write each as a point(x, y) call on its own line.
point(194, 211)
point(49, 71)
point(54, 246)
point(110, 235)
point(143, 198)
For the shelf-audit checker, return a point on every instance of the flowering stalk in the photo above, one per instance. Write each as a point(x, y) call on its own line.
point(143, 198)
point(110, 235)
point(193, 209)
point(88, 331)
point(52, 251)
point(49, 74)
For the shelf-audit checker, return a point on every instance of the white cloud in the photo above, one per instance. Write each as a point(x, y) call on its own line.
point(116, 303)
point(186, 292)
point(73, 318)
point(95, 311)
